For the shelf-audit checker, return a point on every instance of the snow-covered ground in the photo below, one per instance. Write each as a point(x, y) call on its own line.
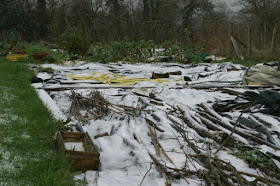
point(125, 160)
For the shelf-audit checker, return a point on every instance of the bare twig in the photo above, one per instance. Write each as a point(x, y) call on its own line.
point(146, 174)
point(229, 136)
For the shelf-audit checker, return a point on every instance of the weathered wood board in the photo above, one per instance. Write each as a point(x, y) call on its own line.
point(80, 160)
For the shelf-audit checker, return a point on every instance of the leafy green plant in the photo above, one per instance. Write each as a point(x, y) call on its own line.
point(9, 40)
point(31, 48)
point(42, 69)
point(27, 60)
point(101, 54)
point(125, 50)
point(49, 59)
point(257, 159)
point(12, 37)
point(76, 43)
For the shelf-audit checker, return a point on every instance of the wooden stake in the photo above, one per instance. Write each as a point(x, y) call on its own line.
point(236, 47)
point(230, 43)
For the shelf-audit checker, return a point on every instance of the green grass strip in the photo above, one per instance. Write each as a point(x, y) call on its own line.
point(28, 153)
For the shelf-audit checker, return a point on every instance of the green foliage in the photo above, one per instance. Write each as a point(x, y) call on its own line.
point(9, 41)
point(134, 51)
point(171, 49)
point(125, 50)
point(76, 43)
point(182, 52)
point(19, 48)
point(42, 69)
point(252, 60)
point(49, 59)
point(32, 156)
point(179, 52)
point(31, 48)
point(257, 159)
point(12, 37)
point(28, 59)
point(101, 54)
point(34, 48)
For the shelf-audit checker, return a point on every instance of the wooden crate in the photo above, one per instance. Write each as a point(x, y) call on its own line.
point(40, 55)
point(80, 160)
point(14, 57)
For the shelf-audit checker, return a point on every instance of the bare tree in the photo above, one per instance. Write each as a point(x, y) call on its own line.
point(265, 14)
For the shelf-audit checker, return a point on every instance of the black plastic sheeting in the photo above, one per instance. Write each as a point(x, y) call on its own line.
point(266, 101)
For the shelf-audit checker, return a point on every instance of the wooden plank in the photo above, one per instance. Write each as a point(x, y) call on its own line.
point(60, 143)
point(72, 136)
point(76, 82)
point(89, 143)
point(230, 42)
point(175, 87)
point(240, 42)
point(78, 88)
point(228, 86)
point(236, 48)
point(80, 160)
point(83, 163)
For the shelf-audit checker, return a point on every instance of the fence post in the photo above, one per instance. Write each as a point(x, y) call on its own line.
point(230, 41)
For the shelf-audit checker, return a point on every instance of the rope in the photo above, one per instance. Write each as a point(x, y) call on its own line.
point(116, 79)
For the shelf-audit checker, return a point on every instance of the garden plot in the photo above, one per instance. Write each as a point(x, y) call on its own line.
point(163, 132)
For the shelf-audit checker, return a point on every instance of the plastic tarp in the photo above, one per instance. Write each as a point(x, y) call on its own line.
point(266, 101)
point(262, 75)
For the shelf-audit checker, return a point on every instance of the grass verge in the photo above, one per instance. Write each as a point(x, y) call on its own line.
point(251, 61)
point(28, 154)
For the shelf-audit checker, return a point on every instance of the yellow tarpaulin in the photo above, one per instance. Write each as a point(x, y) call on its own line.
point(116, 79)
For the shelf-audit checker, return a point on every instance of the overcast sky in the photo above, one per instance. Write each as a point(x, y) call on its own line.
point(231, 4)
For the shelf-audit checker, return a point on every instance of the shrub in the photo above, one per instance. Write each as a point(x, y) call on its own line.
point(49, 59)
point(76, 43)
point(12, 37)
point(101, 54)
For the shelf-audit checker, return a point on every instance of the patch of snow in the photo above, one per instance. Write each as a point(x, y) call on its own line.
point(44, 76)
point(76, 146)
point(51, 105)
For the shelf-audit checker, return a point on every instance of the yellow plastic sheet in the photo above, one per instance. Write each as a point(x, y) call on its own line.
point(116, 79)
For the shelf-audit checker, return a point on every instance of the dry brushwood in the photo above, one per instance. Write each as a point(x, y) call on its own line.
point(219, 120)
point(159, 147)
point(97, 106)
point(223, 173)
point(210, 124)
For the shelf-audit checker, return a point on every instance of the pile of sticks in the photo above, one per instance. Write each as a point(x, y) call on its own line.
point(219, 172)
point(97, 106)
point(216, 172)
point(208, 124)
